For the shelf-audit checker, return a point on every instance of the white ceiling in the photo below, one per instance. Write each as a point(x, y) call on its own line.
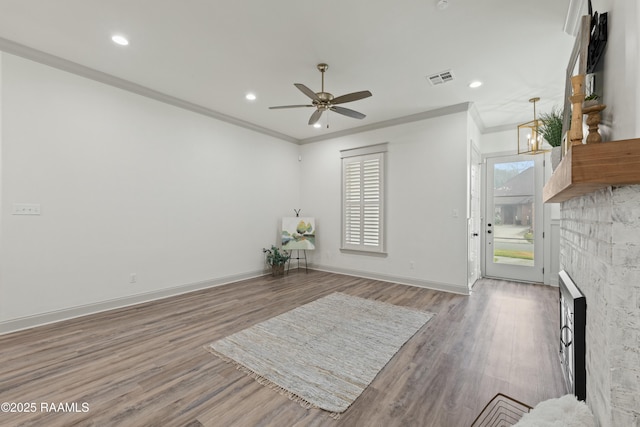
point(212, 52)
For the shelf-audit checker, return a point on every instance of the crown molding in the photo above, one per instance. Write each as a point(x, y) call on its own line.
point(57, 62)
point(26, 52)
point(452, 109)
point(501, 128)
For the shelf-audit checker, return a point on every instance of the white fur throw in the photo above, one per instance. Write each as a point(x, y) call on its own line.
point(565, 411)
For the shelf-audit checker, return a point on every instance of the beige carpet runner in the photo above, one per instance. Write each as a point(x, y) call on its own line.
point(325, 353)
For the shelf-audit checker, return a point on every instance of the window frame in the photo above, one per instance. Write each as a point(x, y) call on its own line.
point(361, 155)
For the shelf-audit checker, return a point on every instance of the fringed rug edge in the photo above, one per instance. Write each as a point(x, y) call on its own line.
point(270, 384)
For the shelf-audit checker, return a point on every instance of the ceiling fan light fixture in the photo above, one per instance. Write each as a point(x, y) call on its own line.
point(324, 101)
point(250, 96)
point(317, 125)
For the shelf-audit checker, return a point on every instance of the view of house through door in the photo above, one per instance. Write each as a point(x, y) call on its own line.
point(514, 218)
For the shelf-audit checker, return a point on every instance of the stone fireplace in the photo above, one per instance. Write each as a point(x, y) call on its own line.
point(598, 188)
point(600, 250)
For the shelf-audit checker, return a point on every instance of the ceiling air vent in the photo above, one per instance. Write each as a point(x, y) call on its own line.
point(440, 78)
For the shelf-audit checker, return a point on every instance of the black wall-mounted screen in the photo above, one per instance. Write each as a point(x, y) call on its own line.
point(573, 322)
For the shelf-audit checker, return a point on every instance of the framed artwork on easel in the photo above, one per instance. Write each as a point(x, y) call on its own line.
point(298, 233)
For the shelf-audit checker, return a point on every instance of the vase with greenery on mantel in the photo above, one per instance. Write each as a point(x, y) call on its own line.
point(276, 259)
point(590, 100)
point(551, 131)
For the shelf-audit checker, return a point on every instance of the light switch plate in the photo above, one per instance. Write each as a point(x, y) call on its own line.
point(26, 209)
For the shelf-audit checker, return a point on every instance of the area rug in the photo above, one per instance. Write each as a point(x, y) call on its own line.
point(324, 353)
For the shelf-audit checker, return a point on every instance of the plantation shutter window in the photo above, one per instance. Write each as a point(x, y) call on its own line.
point(363, 198)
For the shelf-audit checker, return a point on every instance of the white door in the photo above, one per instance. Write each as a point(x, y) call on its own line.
point(474, 224)
point(514, 218)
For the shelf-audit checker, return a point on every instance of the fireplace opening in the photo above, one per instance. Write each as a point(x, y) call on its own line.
point(573, 321)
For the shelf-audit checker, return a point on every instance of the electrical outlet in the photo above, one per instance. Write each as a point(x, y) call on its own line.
point(133, 278)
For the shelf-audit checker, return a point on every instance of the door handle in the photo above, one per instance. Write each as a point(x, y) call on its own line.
point(475, 234)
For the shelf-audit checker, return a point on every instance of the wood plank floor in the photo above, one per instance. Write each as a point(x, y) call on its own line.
point(146, 365)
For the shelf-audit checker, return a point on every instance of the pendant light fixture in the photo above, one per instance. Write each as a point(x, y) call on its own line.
point(529, 136)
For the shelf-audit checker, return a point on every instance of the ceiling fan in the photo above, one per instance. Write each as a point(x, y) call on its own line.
point(324, 101)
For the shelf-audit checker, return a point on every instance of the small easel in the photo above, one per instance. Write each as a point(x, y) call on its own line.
point(298, 258)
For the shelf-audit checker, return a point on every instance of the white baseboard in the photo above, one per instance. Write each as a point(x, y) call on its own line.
point(42, 319)
point(436, 286)
point(22, 323)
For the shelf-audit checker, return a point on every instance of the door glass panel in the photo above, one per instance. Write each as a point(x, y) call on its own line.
point(514, 210)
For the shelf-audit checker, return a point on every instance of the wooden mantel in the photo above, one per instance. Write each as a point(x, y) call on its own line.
point(587, 168)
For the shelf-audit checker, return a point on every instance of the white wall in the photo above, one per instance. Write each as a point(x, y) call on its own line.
point(622, 70)
point(126, 185)
point(621, 87)
point(503, 142)
point(636, 26)
point(426, 180)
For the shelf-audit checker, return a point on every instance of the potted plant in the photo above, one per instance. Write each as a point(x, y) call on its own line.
point(276, 258)
point(590, 100)
point(551, 130)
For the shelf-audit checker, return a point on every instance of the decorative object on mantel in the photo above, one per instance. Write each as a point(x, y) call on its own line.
point(593, 120)
point(597, 41)
point(575, 132)
point(598, 38)
point(551, 131)
point(276, 258)
point(590, 100)
point(578, 57)
point(529, 135)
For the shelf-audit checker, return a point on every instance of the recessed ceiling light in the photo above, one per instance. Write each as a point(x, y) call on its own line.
point(317, 125)
point(475, 84)
point(250, 96)
point(121, 40)
point(443, 4)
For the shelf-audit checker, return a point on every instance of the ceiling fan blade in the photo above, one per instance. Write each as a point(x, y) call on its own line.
point(351, 97)
point(348, 112)
point(311, 94)
point(315, 117)
point(289, 106)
